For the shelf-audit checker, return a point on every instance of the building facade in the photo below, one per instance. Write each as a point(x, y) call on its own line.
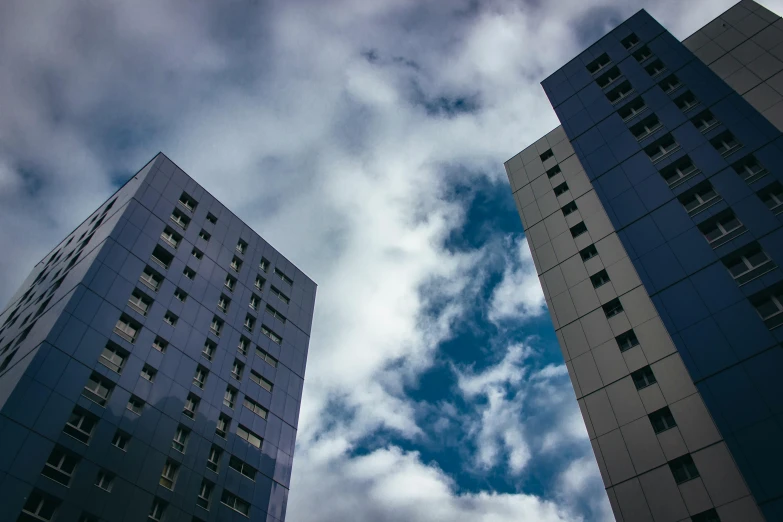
point(151, 366)
point(654, 215)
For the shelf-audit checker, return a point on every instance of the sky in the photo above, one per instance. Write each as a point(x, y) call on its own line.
point(365, 141)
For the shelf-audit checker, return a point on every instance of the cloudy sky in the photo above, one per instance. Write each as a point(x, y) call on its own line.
point(365, 140)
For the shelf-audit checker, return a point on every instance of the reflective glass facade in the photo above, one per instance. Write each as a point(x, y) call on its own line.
point(151, 365)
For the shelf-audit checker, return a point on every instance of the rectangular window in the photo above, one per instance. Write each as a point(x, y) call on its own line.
point(244, 342)
point(608, 78)
point(272, 335)
point(769, 305)
point(97, 389)
point(554, 171)
point(561, 189)
point(180, 219)
point(208, 351)
point(670, 84)
point(274, 313)
point(162, 257)
point(249, 436)
point(599, 279)
point(569, 208)
point(230, 283)
point(242, 467)
point(191, 406)
point(105, 480)
point(198, 254)
point(612, 308)
point(121, 440)
point(646, 127)
point(578, 229)
point(679, 172)
point(60, 466)
point(620, 93)
point(203, 234)
point(287, 280)
point(171, 237)
point(661, 148)
point(249, 323)
point(204, 495)
point(632, 109)
point(260, 282)
point(655, 68)
point(706, 516)
point(683, 469)
point(211, 218)
point(662, 420)
point(627, 340)
point(230, 397)
point(236, 369)
point(127, 328)
point(234, 502)
point(772, 196)
point(168, 477)
point(113, 357)
point(643, 378)
point(157, 510)
point(200, 377)
point(255, 301)
point(80, 425)
point(255, 407)
point(216, 326)
point(704, 121)
point(722, 228)
point(699, 198)
point(643, 54)
point(160, 344)
point(236, 264)
point(223, 425)
point(266, 357)
point(686, 101)
point(725, 143)
point(546, 155)
point(213, 461)
point(39, 506)
point(180, 295)
point(241, 246)
point(263, 265)
point(599, 63)
point(189, 273)
point(180, 440)
point(148, 373)
point(135, 405)
point(258, 379)
point(280, 295)
point(187, 202)
point(750, 169)
point(748, 263)
point(588, 252)
point(170, 318)
point(630, 41)
point(223, 303)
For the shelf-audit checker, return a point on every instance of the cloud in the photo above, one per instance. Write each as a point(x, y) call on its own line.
point(518, 296)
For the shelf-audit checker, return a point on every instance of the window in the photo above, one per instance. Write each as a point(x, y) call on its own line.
point(234, 502)
point(126, 328)
point(200, 378)
point(231, 283)
point(249, 323)
point(280, 295)
point(160, 344)
point(272, 335)
point(722, 228)
point(750, 169)
point(749, 263)
point(608, 78)
point(554, 171)
point(561, 189)
point(186, 201)
point(180, 440)
point(646, 127)
point(706, 516)
point(139, 302)
point(236, 264)
point(704, 121)
point(588, 253)
point(643, 54)
point(135, 405)
point(216, 326)
point(180, 219)
point(547, 154)
point(86, 517)
point(599, 63)
point(204, 235)
point(662, 420)
point(230, 397)
point(80, 425)
point(208, 351)
point(249, 436)
point(679, 172)
point(263, 265)
point(241, 246)
point(701, 197)
point(686, 101)
point(254, 301)
point(222, 426)
point(148, 373)
point(151, 278)
point(121, 440)
point(578, 229)
point(769, 306)
point(256, 378)
point(189, 273)
point(255, 407)
point(772, 196)
point(683, 469)
point(632, 109)
point(725, 143)
point(670, 84)
point(569, 208)
point(655, 68)
point(244, 342)
point(171, 237)
point(39, 506)
point(266, 357)
point(661, 148)
point(242, 467)
point(105, 480)
point(599, 279)
point(223, 303)
point(236, 369)
point(162, 257)
point(180, 294)
point(191, 406)
point(168, 477)
point(113, 357)
point(643, 378)
point(613, 307)
point(157, 511)
point(97, 389)
point(211, 218)
point(630, 41)
point(170, 318)
point(260, 282)
point(60, 466)
point(620, 93)
point(274, 313)
point(287, 280)
point(627, 340)
point(204, 494)
point(213, 461)
point(198, 254)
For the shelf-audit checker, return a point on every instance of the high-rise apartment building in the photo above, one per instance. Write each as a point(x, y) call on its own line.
point(151, 366)
point(654, 215)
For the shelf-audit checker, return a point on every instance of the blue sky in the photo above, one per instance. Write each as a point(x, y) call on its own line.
point(366, 141)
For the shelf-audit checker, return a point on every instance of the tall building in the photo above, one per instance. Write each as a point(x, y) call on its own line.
point(654, 218)
point(151, 365)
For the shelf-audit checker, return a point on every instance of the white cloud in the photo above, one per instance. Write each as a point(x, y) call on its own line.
point(519, 295)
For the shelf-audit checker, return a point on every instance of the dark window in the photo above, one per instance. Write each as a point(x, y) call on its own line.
point(599, 63)
point(643, 54)
point(722, 228)
point(769, 305)
point(561, 189)
point(204, 235)
point(772, 196)
point(179, 217)
point(643, 377)
point(98, 389)
point(662, 420)
point(235, 503)
point(547, 154)
point(725, 143)
point(750, 169)
point(670, 84)
point(39, 506)
point(646, 127)
point(121, 440)
point(80, 425)
point(630, 41)
point(60, 466)
point(683, 469)
point(627, 340)
point(748, 263)
point(599, 279)
point(608, 78)
point(211, 218)
point(661, 148)
point(569, 208)
point(172, 238)
point(588, 253)
point(632, 109)
point(620, 93)
point(578, 229)
point(655, 68)
point(188, 202)
point(612, 308)
point(686, 101)
point(704, 121)
point(189, 272)
point(554, 171)
point(242, 467)
point(162, 257)
point(706, 516)
point(701, 197)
